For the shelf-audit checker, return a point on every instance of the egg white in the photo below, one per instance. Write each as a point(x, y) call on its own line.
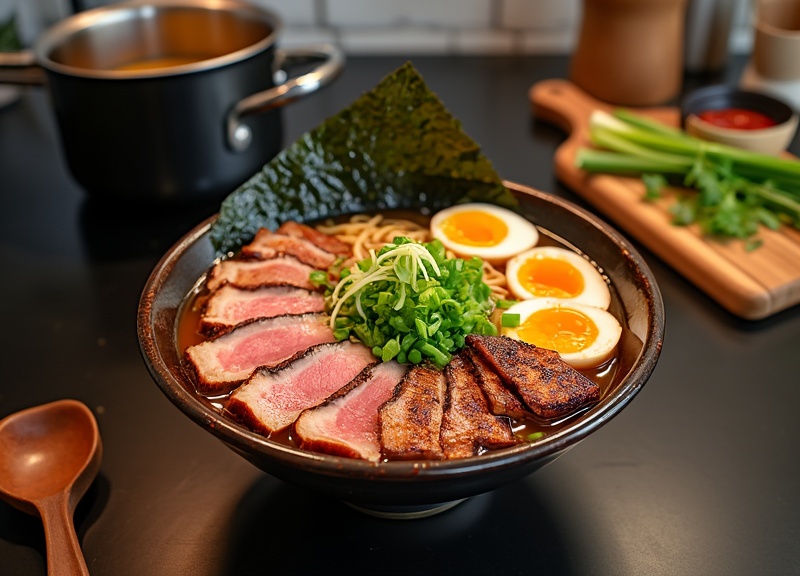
point(521, 235)
point(596, 353)
point(595, 290)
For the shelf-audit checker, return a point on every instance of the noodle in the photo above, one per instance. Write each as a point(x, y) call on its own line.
point(364, 233)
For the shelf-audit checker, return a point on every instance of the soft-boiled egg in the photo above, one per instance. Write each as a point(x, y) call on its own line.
point(584, 336)
point(554, 272)
point(489, 232)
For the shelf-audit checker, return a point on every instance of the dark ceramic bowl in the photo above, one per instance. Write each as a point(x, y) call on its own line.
point(770, 140)
point(415, 488)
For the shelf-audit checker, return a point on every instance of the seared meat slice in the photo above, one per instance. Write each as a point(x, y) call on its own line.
point(272, 398)
point(550, 387)
point(467, 425)
point(347, 423)
point(411, 421)
point(229, 306)
point(320, 239)
point(249, 274)
point(501, 400)
point(266, 244)
point(222, 363)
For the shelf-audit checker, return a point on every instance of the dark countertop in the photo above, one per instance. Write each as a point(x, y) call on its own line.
point(698, 475)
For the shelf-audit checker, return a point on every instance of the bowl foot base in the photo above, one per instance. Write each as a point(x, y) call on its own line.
point(405, 512)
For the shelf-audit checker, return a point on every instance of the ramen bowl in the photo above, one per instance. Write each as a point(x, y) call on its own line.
point(407, 489)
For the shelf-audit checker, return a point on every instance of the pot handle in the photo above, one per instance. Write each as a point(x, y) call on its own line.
point(332, 63)
point(20, 68)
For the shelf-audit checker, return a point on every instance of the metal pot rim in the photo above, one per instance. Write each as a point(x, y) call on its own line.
point(144, 9)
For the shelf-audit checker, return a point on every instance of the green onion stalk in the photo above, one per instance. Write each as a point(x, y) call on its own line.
point(737, 190)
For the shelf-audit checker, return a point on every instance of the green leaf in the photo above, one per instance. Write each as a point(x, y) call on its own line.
point(653, 185)
point(9, 36)
point(396, 146)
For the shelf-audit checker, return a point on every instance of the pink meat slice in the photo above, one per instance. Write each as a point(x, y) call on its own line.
point(281, 271)
point(347, 423)
point(266, 243)
point(325, 241)
point(224, 362)
point(229, 305)
point(272, 399)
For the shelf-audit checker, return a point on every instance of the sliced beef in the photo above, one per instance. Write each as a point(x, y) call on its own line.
point(550, 387)
point(272, 398)
point(249, 274)
point(228, 305)
point(411, 421)
point(266, 244)
point(347, 423)
point(320, 239)
point(468, 427)
point(501, 400)
point(222, 363)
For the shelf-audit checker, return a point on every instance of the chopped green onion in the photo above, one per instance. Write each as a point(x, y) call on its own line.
point(509, 320)
point(409, 301)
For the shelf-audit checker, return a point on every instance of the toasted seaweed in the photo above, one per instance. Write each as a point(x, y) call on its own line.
point(396, 146)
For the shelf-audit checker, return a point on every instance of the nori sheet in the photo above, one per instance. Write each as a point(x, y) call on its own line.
point(396, 146)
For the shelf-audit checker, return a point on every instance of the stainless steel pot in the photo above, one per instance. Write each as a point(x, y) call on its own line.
point(170, 100)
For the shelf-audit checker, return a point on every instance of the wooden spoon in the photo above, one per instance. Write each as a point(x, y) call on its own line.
point(49, 456)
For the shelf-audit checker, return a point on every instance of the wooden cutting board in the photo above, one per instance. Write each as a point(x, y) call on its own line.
point(752, 285)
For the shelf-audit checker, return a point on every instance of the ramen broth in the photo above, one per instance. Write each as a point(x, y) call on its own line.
point(160, 62)
point(604, 375)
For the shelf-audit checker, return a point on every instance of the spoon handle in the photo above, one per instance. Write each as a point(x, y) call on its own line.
point(64, 555)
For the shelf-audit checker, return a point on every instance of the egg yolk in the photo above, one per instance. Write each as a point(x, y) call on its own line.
point(561, 329)
point(475, 228)
point(550, 277)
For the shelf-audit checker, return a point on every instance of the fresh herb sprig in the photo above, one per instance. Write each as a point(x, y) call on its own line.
point(9, 35)
point(410, 302)
point(737, 190)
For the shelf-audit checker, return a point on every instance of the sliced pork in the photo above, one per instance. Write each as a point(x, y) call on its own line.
point(249, 274)
point(272, 398)
point(347, 423)
point(222, 363)
point(266, 244)
point(229, 305)
point(468, 427)
point(501, 400)
point(411, 421)
point(550, 387)
point(320, 239)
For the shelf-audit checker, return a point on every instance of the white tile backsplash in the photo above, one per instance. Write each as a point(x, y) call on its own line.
point(429, 26)
point(436, 14)
point(552, 15)
point(300, 13)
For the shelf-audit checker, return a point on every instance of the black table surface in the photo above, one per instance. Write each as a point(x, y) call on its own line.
point(700, 474)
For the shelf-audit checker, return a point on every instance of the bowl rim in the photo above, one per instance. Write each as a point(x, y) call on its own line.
point(242, 439)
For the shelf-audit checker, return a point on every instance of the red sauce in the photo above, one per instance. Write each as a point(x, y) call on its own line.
point(737, 118)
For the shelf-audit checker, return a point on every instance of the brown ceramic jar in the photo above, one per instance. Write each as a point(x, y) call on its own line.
point(630, 52)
